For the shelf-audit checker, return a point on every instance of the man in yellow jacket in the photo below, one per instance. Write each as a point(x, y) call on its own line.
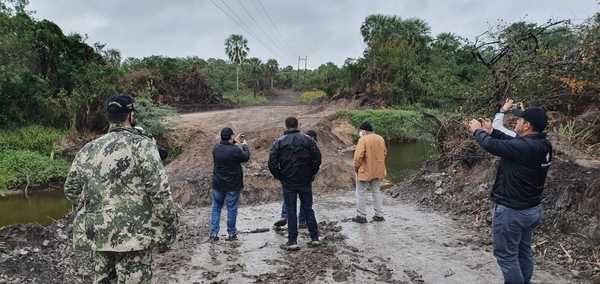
point(369, 165)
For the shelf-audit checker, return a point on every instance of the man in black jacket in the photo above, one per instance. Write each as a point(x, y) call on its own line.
point(228, 181)
point(294, 160)
point(517, 192)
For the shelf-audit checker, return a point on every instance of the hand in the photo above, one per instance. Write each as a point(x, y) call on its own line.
point(486, 124)
point(508, 105)
point(474, 124)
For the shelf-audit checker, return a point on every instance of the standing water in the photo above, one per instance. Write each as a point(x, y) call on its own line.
point(405, 159)
point(41, 208)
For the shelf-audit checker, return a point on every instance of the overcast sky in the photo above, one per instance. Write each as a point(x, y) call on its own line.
point(322, 30)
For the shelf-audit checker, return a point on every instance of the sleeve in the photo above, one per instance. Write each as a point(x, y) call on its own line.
point(274, 160)
point(159, 191)
point(359, 153)
point(510, 149)
point(498, 124)
point(316, 156)
point(74, 183)
point(243, 154)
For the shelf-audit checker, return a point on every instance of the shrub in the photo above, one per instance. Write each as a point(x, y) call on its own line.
point(245, 98)
point(18, 167)
point(311, 96)
point(33, 138)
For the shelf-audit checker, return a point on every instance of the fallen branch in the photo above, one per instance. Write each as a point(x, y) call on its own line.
point(364, 269)
point(566, 252)
point(256, 231)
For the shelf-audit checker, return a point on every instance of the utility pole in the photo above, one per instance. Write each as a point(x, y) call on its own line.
point(300, 59)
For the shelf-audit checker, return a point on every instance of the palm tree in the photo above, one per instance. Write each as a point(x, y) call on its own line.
point(271, 68)
point(236, 48)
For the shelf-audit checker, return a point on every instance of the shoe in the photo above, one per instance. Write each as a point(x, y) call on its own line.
point(281, 223)
point(378, 219)
point(232, 238)
point(302, 226)
point(314, 243)
point(213, 239)
point(290, 246)
point(360, 219)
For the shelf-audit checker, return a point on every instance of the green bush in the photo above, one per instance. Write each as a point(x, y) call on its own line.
point(395, 125)
point(151, 116)
point(311, 96)
point(245, 98)
point(33, 138)
point(19, 166)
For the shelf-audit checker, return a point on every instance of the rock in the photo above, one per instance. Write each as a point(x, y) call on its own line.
point(438, 183)
point(46, 243)
point(449, 273)
point(440, 191)
point(23, 252)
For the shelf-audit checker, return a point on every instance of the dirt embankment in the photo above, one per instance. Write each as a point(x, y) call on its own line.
point(196, 134)
point(460, 182)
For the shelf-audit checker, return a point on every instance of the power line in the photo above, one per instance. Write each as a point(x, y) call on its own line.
point(247, 11)
point(233, 12)
point(234, 18)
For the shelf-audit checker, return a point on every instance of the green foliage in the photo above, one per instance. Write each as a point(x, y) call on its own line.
point(311, 96)
point(19, 167)
point(245, 98)
point(32, 138)
point(151, 117)
point(395, 125)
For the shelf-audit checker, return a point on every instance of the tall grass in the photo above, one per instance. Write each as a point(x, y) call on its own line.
point(33, 138)
point(245, 98)
point(311, 96)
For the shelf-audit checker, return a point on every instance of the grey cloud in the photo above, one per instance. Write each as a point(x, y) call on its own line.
point(322, 30)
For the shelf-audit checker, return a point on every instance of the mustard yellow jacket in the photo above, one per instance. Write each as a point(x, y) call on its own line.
point(369, 157)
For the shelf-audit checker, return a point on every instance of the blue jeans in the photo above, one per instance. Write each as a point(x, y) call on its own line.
point(284, 211)
point(306, 199)
point(219, 198)
point(512, 232)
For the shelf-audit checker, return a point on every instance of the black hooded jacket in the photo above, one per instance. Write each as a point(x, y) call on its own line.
point(227, 172)
point(522, 170)
point(294, 159)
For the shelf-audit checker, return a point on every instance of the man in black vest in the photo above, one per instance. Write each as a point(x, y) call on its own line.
point(517, 192)
point(295, 160)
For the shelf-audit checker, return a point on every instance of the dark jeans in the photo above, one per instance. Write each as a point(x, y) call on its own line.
point(219, 199)
point(306, 199)
point(512, 234)
point(284, 212)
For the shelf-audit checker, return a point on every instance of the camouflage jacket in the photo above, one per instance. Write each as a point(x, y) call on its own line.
point(122, 194)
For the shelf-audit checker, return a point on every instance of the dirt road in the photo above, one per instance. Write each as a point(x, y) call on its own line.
point(412, 246)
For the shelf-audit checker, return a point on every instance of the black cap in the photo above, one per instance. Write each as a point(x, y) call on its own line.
point(312, 134)
point(534, 115)
point(226, 133)
point(366, 126)
point(120, 104)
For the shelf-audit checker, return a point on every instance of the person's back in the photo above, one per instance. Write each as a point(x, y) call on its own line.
point(296, 159)
point(371, 148)
point(120, 175)
point(227, 170)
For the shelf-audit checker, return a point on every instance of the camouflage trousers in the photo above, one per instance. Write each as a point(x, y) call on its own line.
point(123, 267)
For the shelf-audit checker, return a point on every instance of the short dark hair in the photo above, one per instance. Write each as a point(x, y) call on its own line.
point(366, 126)
point(291, 122)
point(117, 117)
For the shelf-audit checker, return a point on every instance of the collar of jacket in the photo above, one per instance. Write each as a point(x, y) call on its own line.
point(225, 142)
point(127, 129)
point(290, 131)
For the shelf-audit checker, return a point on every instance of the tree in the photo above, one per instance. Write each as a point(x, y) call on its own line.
point(271, 69)
point(254, 70)
point(236, 48)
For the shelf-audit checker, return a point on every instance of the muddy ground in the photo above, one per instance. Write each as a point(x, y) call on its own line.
point(414, 245)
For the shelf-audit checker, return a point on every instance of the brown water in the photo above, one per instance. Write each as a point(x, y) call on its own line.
point(41, 208)
point(405, 159)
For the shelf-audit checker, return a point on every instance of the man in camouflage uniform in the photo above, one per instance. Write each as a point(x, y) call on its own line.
point(124, 205)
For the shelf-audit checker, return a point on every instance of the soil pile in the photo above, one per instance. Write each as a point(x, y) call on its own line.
point(196, 134)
